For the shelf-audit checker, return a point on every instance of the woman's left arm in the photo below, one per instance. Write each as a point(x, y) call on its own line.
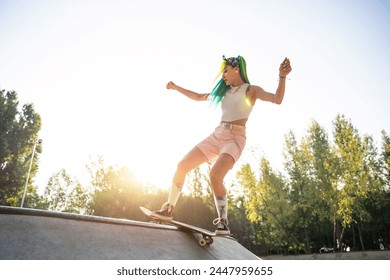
point(256, 92)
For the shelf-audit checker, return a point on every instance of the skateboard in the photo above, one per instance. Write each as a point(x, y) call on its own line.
point(207, 236)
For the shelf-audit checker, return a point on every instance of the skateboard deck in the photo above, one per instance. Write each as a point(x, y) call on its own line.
point(207, 236)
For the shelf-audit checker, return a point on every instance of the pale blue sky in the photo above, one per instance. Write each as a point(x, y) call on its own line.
point(96, 72)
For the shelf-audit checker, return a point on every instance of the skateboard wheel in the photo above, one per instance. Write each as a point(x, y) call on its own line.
point(203, 242)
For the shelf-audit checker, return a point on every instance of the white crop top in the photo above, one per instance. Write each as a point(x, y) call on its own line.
point(235, 105)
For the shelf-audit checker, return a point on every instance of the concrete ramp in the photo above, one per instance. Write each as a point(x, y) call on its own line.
point(45, 235)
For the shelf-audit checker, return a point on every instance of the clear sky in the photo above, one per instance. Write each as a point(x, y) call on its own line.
point(96, 72)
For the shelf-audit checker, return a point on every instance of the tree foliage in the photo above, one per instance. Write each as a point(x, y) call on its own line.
point(19, 129)
point(65, 194)
point(335, 193)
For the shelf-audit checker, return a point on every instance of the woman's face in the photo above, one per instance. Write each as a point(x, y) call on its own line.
point(230, 74)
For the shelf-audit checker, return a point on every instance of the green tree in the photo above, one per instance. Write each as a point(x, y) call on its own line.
point(115, 192)
point(18, 135)
point(65, 194)
point(360, 176)
point(304, 194)
point(386, 158)
point(195, 183)
point(323, 169)
point(56, 191)
point(119, 194)
point(383, 208)
point(267, 206)
point(241, 227)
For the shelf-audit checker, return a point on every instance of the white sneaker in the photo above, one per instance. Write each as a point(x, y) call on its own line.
point(165, 213)
point(222, 226)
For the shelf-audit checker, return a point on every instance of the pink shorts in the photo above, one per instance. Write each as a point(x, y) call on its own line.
point(225, 139)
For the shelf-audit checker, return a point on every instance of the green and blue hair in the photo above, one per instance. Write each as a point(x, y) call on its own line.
point(221, 87)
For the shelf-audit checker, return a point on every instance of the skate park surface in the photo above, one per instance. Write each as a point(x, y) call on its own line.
point(31, 234)
point(360, 255)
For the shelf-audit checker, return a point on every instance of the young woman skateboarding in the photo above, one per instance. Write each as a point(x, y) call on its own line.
point(224, 146)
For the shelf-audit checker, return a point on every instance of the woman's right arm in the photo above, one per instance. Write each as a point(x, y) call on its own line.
point(190, 94)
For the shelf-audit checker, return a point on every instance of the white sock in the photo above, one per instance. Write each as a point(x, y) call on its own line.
point(221, 204)
point(174, 193)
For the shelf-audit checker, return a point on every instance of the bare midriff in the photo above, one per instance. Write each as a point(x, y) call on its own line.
point(241, 122)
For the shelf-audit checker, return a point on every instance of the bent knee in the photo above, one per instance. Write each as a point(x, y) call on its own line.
point(216, 177)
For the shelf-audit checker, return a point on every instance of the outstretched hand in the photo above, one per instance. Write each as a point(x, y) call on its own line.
point(285, 68)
